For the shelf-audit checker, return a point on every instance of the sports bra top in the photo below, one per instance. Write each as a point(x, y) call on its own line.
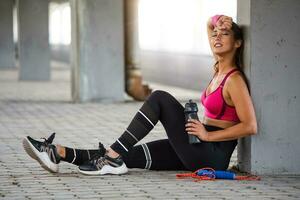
point(215, 106)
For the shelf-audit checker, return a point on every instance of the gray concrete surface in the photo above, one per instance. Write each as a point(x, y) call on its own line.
point(97, 50)
point(273, 70)
point(162, 67)
point(34, 53)
point(38, 109)
point(7, 51)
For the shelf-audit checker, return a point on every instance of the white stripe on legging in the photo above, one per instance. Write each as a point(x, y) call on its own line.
point(146, 118)
point(147, 156)
point(132, 135)
point(74, 156)
point(122, 145)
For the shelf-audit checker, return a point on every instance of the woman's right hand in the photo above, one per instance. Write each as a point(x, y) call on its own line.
point(224, 22)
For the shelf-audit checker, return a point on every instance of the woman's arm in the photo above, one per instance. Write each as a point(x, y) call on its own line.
point(210, 29)
point(241, 99)
point(221, 22)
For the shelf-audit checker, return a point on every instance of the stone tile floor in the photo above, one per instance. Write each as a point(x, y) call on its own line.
point(40, 108)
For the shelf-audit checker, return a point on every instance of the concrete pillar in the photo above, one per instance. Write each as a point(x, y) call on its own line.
point(34, 53)
point(272, 60)
point(132, 36)
point(97, 50)
point(7, 52)
point(134, 83)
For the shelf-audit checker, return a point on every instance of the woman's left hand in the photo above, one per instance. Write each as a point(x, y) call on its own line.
point(195, 127)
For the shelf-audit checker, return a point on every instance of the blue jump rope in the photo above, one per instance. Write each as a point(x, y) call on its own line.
point(211, 174)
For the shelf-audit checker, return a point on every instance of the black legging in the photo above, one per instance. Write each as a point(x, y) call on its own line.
point(174, 153)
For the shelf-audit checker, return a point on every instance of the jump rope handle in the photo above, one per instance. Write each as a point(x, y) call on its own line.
point(216, 174)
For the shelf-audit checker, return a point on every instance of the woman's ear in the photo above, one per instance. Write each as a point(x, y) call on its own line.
point(238, 43)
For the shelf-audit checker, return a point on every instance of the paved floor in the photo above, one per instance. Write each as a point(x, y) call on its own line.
point(40, 108)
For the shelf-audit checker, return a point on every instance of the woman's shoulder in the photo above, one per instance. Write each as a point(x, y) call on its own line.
point(236, 79)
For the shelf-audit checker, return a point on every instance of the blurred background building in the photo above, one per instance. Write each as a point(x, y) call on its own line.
point(161, 45)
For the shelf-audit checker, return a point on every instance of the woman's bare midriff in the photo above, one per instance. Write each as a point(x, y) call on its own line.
point(218, 123)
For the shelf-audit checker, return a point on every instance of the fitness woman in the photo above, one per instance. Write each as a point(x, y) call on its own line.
point(228, 115)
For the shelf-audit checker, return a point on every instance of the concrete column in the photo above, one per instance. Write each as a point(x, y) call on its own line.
point(97, 50)
point(34, 53)
point(272, 60)
point(132, 37)
point(7, 52)
point(134, 83)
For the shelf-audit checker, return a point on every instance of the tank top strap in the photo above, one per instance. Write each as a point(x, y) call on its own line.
point(227, 75)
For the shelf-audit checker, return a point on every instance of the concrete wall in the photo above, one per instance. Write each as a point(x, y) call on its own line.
point(183, 70)
point(34, 53)
point(7, 51)
point(60, 52)
point(191, 71)
point(97, 55)
point(274, 74)
point(243, 19)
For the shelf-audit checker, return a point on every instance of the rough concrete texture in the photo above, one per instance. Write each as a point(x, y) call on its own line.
point(34, 52)
point(97, 50)
point(7, 51)
point(272, 58)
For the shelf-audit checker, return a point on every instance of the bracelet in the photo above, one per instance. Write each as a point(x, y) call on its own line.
point(215, 19)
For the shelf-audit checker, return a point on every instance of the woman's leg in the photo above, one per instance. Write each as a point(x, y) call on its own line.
point(161, 106)
point(142, 123)
point(194, 156)
point(78, 156)
point(50, 155)
point(164, 107)
point(156, 155)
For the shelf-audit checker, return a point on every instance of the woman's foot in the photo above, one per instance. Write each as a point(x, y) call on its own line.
point(107, 164)
point(44, 152)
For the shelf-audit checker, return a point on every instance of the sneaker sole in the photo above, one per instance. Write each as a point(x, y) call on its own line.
point(107, 170)
point(41, 157)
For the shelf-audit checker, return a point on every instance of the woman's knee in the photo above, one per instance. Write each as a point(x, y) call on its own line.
point(164, 105)
point(158, 95)
point(157, 99)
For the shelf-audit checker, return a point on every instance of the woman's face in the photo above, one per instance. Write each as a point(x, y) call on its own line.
point(222, 42)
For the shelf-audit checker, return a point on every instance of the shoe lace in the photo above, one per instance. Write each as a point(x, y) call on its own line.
point(100, 162)
point(49, 140)
point(45, 147)
point(101, 149)
point(98, 159)
point(94, 157)
point(99, 154)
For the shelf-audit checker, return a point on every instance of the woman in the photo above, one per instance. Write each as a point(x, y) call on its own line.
point(228, 115)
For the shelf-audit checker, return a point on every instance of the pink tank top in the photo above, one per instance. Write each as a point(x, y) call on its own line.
point(215, 106)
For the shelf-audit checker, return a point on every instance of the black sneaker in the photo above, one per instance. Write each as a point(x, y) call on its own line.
point(101, 151)
point(100, 165)
point(44, 152)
